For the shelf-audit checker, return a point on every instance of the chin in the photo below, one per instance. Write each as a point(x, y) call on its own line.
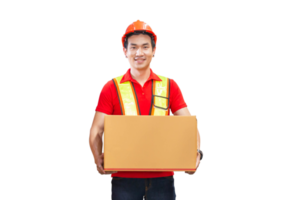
point(140, 66)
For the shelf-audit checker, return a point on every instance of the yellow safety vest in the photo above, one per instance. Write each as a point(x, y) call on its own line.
point(129, 102)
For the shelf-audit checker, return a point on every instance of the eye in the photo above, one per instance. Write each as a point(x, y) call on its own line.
point(133, 47)
point(145, 47)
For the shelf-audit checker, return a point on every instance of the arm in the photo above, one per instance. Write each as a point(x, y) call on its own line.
point(95, 137)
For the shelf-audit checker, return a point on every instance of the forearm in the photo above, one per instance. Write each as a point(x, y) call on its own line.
point(95, 142)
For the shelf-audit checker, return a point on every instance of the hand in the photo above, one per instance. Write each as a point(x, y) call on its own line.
point(99, 165)
point(197, 164)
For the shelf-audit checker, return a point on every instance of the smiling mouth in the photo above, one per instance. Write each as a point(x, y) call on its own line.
point(140, 60)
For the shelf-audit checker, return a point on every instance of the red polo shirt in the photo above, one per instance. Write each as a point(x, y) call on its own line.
point(109, 104)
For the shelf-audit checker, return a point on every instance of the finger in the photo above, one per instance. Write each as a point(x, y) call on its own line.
point(102, 173)
point(101, 167)
point(110, 172)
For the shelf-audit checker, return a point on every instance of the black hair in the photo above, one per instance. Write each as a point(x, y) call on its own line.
point(138, 33)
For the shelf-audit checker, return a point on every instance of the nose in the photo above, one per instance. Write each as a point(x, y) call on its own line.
point(139, 52)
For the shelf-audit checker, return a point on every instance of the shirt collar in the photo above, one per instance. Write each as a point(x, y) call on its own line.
point(127, 76)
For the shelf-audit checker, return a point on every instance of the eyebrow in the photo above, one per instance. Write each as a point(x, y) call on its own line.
point(133, 44)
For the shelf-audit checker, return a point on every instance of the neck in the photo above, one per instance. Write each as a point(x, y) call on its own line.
point(140, 75)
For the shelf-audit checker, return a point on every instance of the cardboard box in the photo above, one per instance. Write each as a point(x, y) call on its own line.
point(150, 143)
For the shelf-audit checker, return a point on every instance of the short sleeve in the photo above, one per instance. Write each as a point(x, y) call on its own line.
point(105, 102)
point(176, 98)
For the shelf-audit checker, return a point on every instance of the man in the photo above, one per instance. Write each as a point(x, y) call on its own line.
point(139, 44)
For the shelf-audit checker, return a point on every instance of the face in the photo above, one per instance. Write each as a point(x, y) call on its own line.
point(139, 51)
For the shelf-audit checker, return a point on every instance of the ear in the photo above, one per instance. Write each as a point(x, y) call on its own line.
point(125, 51)
point(153, 51)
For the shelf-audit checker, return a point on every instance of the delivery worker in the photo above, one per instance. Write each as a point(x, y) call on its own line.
point(138, 92)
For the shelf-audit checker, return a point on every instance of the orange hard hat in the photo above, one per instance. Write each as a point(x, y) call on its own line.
point(138, 26)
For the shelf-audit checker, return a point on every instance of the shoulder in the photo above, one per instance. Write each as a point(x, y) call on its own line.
point(173, 83)
point(108, 83)
point(171, 79)
point(109, 87)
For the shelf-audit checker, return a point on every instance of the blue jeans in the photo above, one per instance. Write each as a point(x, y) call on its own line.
point(161, 188)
